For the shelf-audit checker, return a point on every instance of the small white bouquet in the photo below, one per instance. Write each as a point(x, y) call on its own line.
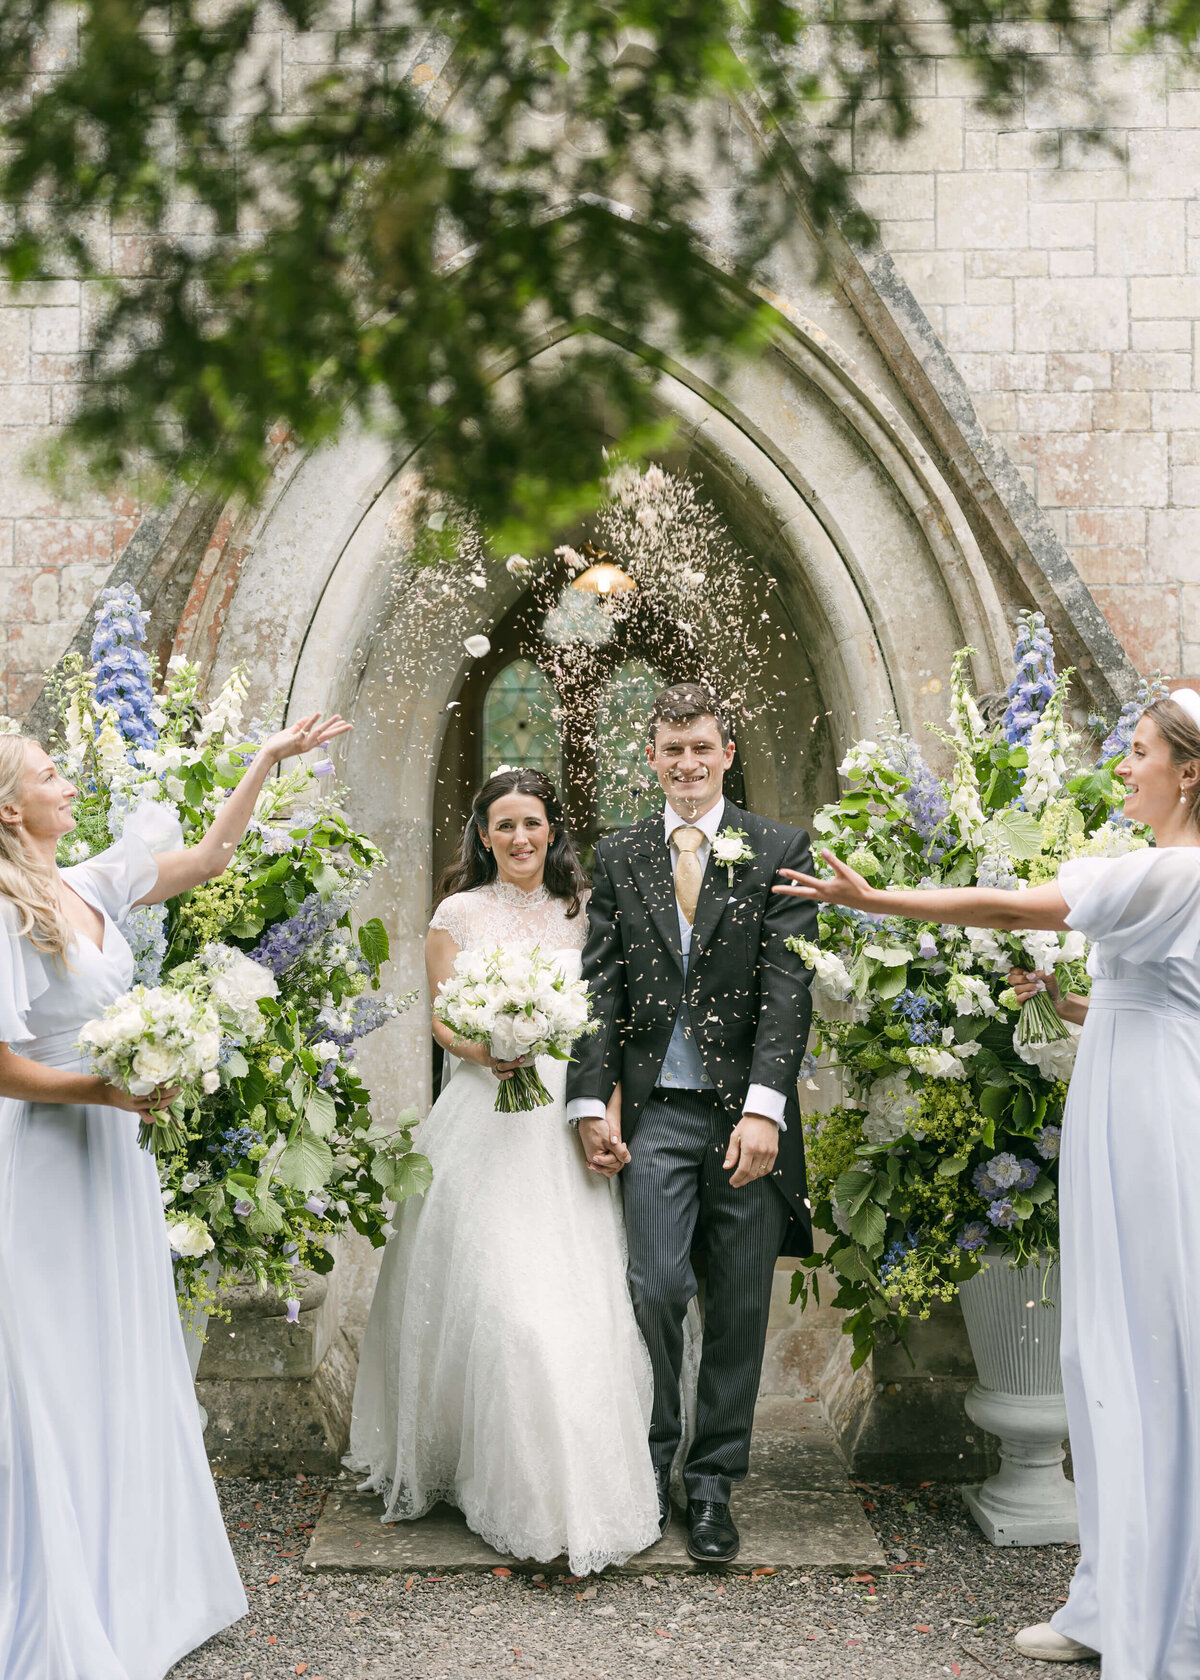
point(153, 1036)
point(520, 1005)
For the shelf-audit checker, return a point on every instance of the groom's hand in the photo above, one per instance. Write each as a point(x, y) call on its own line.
point(602, 1145)
point(753, 1146)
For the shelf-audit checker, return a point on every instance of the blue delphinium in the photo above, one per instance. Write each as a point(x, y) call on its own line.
point(924, 796)
point(1031, 688)
point(920, 1014)
point(145, 928)
point(122, 670)
point(1117, 743)
point(896, 1255)
point(973, 1235)
point(362, 1015)
point(287, 942)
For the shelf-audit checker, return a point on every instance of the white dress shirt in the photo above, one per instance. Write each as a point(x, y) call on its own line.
point(760, 1099)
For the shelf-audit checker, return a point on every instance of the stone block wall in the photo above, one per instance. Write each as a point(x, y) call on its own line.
point(1064, 281)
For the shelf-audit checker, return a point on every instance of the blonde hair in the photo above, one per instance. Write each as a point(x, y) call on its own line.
point(24, 879)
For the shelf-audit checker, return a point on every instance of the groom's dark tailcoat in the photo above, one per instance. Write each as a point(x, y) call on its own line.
point(747, 994)
point(749, 1008)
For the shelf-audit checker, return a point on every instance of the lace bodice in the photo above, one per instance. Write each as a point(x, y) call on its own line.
point(499, 914)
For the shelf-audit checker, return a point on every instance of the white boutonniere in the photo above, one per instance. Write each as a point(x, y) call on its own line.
point(731, 848)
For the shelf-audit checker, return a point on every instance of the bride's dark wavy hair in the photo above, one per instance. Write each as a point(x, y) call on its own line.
point(475, 866)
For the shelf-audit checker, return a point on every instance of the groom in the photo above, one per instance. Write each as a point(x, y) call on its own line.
point(690, 1087)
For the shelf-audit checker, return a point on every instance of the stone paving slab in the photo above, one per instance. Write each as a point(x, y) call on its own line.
point(796, 1510)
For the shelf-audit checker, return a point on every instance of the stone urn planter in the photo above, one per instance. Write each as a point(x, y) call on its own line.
point(1019, 1398)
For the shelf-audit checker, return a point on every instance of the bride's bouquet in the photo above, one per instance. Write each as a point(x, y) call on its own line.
point(153, 1036)
point(518, 1004)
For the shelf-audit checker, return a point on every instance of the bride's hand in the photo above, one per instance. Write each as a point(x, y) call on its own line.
point(472, 1051)
point(845, 886)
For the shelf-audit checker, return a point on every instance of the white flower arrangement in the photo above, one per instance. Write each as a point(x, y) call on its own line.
point(520, 1005)
point(155, 1036)
point(731, 849)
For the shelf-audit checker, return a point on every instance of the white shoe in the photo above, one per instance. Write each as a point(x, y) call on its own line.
point(1043, 1644)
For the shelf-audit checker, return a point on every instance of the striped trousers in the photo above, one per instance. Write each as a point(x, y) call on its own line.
point(678, 1200)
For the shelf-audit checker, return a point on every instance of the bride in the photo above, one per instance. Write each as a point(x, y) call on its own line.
point(502, 1369)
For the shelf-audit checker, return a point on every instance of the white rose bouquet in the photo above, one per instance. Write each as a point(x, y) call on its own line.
point(154, 1036)
point(520, 1005)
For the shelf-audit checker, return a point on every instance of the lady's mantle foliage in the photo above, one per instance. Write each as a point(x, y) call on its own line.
point(281, 1152)
point(947, 1137)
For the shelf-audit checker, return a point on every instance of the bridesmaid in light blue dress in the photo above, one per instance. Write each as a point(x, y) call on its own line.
point(1129, 1206)
point(114, 1560)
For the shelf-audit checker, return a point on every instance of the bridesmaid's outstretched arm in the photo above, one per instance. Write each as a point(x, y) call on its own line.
point(991, 907)
point(211, 855)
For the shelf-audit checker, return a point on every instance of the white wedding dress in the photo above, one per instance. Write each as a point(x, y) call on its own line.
point(502, 1369)
point(114, 1560)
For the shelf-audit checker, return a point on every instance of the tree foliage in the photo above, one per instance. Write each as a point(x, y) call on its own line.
point(289, 261)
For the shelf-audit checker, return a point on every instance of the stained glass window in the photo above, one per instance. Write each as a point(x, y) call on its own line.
point(626, 790)
point(518, 728)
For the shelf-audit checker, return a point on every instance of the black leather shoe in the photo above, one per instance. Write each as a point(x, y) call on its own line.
point(712, 1535)
point(663, 1478)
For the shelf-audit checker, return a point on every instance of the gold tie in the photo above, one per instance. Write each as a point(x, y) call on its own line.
point(688, 873)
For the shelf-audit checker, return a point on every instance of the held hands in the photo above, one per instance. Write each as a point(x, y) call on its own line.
point(846, 887)
point(753, 1146)
point(604, 1149)
point(302, 736)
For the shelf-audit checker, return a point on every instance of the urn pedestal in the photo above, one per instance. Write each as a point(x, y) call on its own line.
point(1012, 1318)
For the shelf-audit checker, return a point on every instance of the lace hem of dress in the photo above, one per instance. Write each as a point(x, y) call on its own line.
point(523, 1547)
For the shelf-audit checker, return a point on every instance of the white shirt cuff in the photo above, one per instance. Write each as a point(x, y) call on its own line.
point(760, 1099)
point(585, 1108)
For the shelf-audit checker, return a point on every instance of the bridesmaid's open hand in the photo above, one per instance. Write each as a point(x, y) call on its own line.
point(845, 886)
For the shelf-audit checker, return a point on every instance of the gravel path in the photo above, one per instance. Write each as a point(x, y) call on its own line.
point(948, 1604)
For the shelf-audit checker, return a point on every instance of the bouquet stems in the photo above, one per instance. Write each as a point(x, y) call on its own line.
point(1039, 1022)
point(163, 1134)
point(524, 1091)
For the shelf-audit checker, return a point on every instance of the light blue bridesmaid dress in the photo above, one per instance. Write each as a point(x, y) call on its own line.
point(1130, 1192)
point(114, 1561)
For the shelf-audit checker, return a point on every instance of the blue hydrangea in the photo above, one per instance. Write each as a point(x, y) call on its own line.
point(122, 670)
point(1031, 688)
point(1003, 1214)
point(239, 1141)
point(973, 1235)
point(896, 1254)
point(1119, 739)
point(920, 1014)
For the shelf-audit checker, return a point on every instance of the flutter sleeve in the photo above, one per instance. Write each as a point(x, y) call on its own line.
point(22, 977)
point(117, 877)
point(451, 917)
point(1145, 904)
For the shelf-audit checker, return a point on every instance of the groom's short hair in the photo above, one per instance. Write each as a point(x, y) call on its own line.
point(684, 702)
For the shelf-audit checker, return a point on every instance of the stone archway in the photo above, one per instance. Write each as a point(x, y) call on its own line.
point(822, 477)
